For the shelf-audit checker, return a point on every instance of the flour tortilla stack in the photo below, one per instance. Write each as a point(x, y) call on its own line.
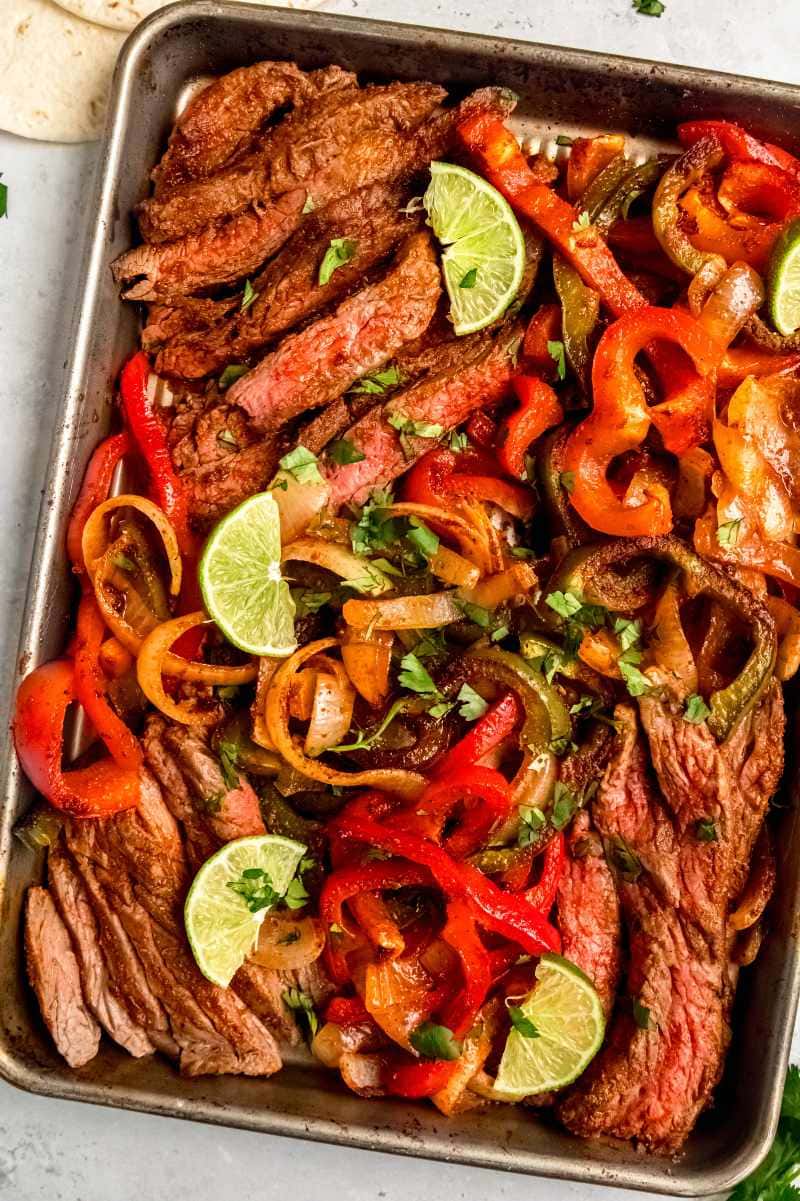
point(55, 72)
point(126, 14)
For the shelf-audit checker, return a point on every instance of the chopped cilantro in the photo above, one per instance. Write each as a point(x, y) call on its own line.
point(728, 532)
point(500, 633)
point(649, 8)
point(476, 614)
point(636, 681)
point(458, 442)
point(622, 857)
point(375, 529)
point(628, 632)
point(378, 382)
point(469, 278)
point(230, 375)
point(565, 805)
point(641, 1014)
point(472, 704)
point(407, 428)
point(339, 252)
point(423, 538)
point(696, 710)
point(521, 1024)
point(344, 451)
point(435, 1042)
point(565, 604)
point(228, 753)
point(531, 824)
point(564, 139)
point(415, 677)
point(255, 888)
point(249, 297)
point(556, 352)
point(307, 601)
point(3, 198)
point(583, 222)
point(302, 1004)
point(364, 740)
point(706, 830)
point(302, 465)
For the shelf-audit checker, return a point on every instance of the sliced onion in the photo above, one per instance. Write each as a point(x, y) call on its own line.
point(154, 660)
point(286, 942)
point(301, 697)
point(259, 732)
point(358, 573)
point(298, 504)
point(397, 994)
point(404, 612)
point(95, 540)
point(516, 581)
point(455, 1097)
point(396, 780)
point(332, 1041)
point(367, 657)
point(331, 712)
point(454, 569)
point(363, 1074)
point(671, 650)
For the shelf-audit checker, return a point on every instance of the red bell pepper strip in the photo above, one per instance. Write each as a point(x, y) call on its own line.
point(499, 720)
point(148, 433)
point(538, 411)
point(442, 474)
point(621, 418)
point(503, 163)
point(99, 790)
point(347, 882)
point(739, 144)
point(90, 687)
point(543, 327)
point(348, 1011)
point(410, 1078)
point(741, 361)
point(481, 430)
point(461, 933)
point(503, 913)
point(544, 892)
point(759, 190)
point(94, 490)
point(487, 801)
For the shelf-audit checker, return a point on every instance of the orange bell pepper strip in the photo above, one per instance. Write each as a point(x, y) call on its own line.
point(709, 229)
point(90, 687)
point(620, 420)
point(443, 474)
point(502, 162)
point(543, 327)
point(739, 144)
point(740, 361)
point(100, 790)
point(588, 157)
point(538, 411)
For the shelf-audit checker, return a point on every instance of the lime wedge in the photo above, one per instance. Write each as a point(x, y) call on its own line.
point(485, 256)
point(568, 1017)
point(240, 579)
point(783, 280)
point(221, 927)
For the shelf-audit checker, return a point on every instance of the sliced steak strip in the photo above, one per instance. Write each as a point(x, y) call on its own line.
point(288, 289)
point(316, 150)
point(223, 120)
point(105, 1003)
point(313, 367)
point(480, 377)
point(219, 254)
point(588, 911)
point(138, 861)
point(55, 977)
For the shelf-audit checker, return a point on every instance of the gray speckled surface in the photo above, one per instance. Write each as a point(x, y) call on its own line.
point(58, 1151)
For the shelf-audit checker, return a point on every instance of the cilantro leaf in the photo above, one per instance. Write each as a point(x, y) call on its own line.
point(565, 604)
point(3, 199)
point(556, 352)
point(583, 222)
point(476, 613)
point(636, 681)
point(302, 465)
point(255, 888)
point(423, 538)
point(377, 383)
point(433, 642)
point(375, 529)
point(296, 895)
point(622, 857)
point(307, 601)
point(565, 805)
point(521, 1023)
point(728, 532)
point(435, 1042)
point(228, 753)
point(649, 8)
point(696, 710)
point(407, 428)
point(339, 252)
point(230, 375)
point(628, 632)
point(364, 740)
point(564, 139)
point(344, 451)
point(641, 1015)
point(469, 278)
point(706, 830)
point(415, 677)
point(249, 297)
point(458, 442)
point(532, 822)
point(472, 704)
point(303, 1005)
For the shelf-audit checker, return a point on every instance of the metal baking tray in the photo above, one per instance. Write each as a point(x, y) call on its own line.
point(560, 91)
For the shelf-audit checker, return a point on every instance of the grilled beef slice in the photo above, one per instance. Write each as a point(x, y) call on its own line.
point(55, 977)
point(107, 1005)
point(219, 254)
point(137, 859)
point(313, 367)
point(588, 911)
point(655, 1074)
point(484, 365)
point(288, 290)
point(316, 149)
point(222, 121)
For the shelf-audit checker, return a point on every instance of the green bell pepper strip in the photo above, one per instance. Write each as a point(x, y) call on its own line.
point(633, 184)
point(700, 158)
point(589, 573)
point(563, 519)
point(546, 717)
point(580, 308)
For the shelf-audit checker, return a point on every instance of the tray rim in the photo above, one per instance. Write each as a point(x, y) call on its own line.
point(12, 1067)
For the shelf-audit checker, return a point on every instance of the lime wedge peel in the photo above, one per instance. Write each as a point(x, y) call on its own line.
point(566, 1011)
point(783, 281)
point(221, 929)
point(241, 583)
point(484, 259)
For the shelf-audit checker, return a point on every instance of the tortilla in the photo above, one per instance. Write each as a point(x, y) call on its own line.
point(126, 14)
point(56, 72)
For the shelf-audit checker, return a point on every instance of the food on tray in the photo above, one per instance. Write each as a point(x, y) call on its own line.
point(433, 648)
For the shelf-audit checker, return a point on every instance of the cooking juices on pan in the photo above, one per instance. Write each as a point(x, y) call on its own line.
point(441, 670)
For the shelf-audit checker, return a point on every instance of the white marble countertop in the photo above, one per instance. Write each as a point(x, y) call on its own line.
point(61, 1151)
